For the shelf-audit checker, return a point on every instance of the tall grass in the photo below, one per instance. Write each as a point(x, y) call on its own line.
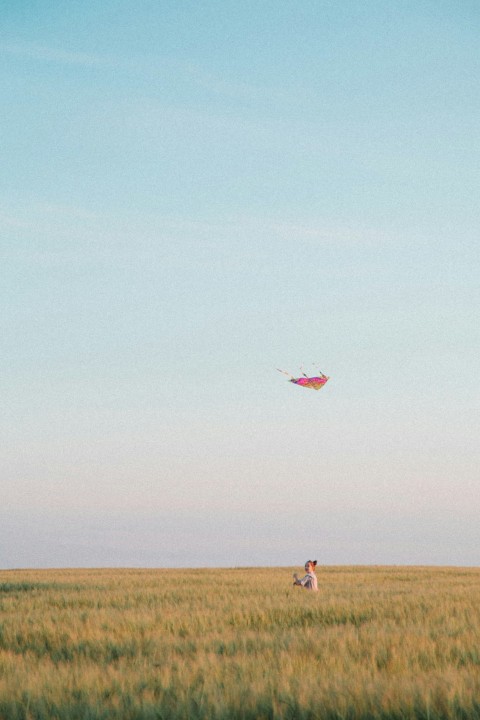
point(138, 644)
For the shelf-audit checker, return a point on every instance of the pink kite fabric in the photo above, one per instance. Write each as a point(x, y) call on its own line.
point(315, 383)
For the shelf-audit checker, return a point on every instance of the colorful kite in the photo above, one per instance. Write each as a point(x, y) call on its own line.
point(314, 383)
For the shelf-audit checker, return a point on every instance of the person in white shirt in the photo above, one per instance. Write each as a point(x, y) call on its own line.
point(309, 582)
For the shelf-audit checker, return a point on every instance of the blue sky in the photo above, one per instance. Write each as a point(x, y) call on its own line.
point(194, 194)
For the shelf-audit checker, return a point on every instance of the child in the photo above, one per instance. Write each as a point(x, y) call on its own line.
point(309, 582)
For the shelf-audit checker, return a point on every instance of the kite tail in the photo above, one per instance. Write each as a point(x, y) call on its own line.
point(286, 373)
point(320, 371)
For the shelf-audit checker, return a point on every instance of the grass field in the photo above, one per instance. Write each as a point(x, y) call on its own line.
point(374, 642)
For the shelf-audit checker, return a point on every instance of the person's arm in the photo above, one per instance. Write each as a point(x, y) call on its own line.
point(300, 581)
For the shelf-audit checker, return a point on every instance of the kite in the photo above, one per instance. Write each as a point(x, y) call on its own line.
point(314, 383)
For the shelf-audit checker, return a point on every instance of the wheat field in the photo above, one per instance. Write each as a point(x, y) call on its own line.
point(374, 642)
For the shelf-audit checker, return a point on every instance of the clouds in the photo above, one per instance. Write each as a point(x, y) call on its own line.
point(45, 53)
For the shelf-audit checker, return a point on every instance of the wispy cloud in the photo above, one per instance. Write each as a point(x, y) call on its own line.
point(52, 218)
point(225, 87)
point(10, 221)
point(58, 55)
point(189, 72)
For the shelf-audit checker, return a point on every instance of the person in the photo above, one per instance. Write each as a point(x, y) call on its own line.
point(309, 582)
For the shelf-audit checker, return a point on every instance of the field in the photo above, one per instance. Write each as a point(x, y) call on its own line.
point(374, 642)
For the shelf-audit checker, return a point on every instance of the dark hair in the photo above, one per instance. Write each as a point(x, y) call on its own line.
point(313, 562)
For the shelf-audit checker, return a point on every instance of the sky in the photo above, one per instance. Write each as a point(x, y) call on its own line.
point(194, 194)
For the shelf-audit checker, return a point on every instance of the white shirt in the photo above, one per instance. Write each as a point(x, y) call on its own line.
point(309, 582)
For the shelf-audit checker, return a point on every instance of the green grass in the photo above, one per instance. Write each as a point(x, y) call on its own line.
point(373, 643)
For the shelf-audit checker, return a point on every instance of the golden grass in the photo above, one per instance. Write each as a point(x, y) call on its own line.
point(374, 642)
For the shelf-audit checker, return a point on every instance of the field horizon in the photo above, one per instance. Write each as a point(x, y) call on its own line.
point(293, 568)
point(139, 643)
